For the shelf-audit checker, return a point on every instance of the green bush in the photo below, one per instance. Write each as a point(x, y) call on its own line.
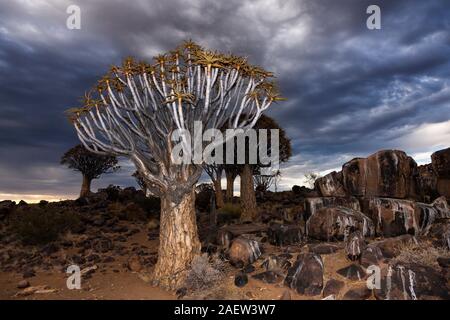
point(37, 225)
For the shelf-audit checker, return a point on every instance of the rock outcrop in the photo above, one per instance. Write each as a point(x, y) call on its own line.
point(426, 183)
point(331, 185)
point(317, 203)
point(393, 217)
point(387, 173)
point(337, 222)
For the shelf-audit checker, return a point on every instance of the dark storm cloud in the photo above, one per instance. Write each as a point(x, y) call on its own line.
point(351, 90)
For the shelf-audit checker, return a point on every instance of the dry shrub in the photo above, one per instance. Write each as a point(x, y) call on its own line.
point(422, 253)
point(205, 273)
point(129, 212)
point(37, 225)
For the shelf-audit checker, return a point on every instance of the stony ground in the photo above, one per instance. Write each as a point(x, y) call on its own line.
point(116, 249)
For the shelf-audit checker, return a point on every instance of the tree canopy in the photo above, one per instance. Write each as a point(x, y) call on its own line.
point(90, 164)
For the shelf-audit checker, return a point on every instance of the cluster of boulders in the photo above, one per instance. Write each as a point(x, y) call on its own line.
point(371, 209)
point(388, 188)
point(391, 174)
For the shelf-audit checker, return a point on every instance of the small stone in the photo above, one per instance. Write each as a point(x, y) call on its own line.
point(360, 293)
point(333, 287)
point(248, 268)
point(240, 280)
point(23, 284)
point(134, 263)
point(181, 292)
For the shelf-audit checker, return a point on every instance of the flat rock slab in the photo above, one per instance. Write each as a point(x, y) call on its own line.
point(240, 229)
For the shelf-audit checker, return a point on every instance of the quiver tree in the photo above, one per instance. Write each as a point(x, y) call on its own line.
point(91, 165)
point(214, 171)
point(231, 172)
point(136, 108)
point(248, 197)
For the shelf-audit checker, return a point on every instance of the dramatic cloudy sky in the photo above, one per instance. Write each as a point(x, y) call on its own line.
point(351, 91)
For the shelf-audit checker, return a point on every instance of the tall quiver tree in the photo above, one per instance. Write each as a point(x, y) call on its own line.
point(91, 165)
point(249, 210)
point(137, 106)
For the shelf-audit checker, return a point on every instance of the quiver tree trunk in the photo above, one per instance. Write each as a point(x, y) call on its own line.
point(178, 240)
point(248, 198)
point(230, 186)
point(85, 187)
point(218, 193)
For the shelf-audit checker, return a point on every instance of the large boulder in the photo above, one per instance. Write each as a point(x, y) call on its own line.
point(412, 282)
point(284, 234)
point(331, 185)
point(426, 183)
point(441, 233)
point(387, 173)
point(306, 275)
point(337, 222)
point(317, 203)
point(392, 217)
point(440, 161)
point(243, 251)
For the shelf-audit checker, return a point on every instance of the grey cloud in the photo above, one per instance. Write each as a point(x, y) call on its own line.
point(351, 91)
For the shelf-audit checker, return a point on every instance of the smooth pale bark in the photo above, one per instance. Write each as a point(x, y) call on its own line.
point(85, 187)
point(248, 198)
point(178, 240)
point(230, 187)
point(219, 194)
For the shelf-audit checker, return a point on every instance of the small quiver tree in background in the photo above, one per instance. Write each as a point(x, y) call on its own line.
point(91, 165)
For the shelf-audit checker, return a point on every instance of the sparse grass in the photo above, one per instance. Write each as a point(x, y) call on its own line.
point(421, 253)
point(206, 273)
point(37, 225)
